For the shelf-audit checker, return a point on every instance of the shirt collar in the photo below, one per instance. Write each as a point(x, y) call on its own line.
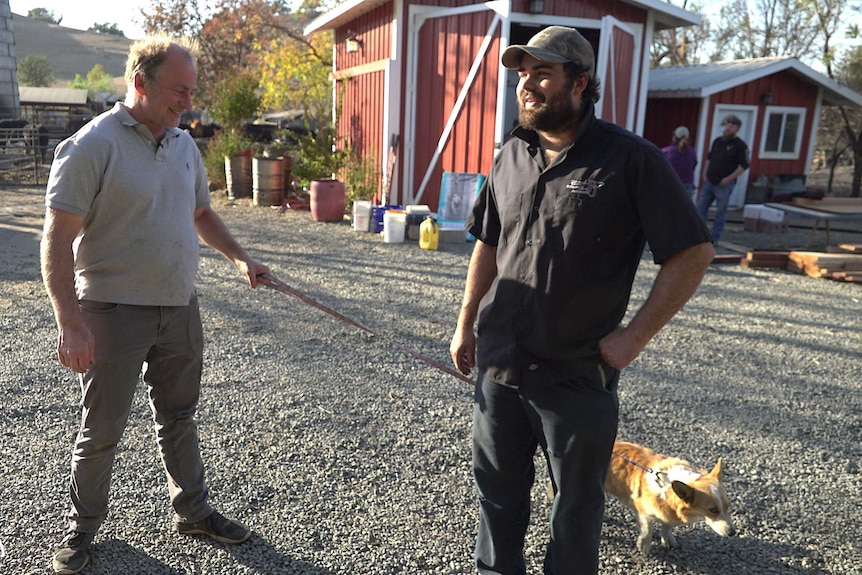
point(121, 112)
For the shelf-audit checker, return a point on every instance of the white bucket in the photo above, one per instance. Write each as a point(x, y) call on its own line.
point(394, 227)
point(362, 216)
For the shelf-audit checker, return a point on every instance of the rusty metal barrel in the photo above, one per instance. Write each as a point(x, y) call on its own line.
point(268, 181)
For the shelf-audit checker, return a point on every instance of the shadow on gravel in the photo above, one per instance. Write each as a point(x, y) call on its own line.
point(702, 552)
point(114, 556)
point(261, 557)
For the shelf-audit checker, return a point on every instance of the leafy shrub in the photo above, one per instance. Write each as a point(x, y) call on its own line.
point(226, 143)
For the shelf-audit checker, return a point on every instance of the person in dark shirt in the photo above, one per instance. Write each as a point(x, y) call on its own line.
point(728, 158)
point(561, 224)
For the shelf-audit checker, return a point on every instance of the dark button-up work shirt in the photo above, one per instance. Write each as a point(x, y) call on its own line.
point(724, 157)
point(569, 238)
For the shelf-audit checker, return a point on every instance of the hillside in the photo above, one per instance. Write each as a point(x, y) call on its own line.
point(69, 51)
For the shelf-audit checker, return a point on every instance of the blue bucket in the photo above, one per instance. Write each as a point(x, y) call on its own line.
point(377, 213)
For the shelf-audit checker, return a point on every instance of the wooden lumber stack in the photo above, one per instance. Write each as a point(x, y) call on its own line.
point(760, 259)
point(852, 248)
point(834, 266)
point(734, 259)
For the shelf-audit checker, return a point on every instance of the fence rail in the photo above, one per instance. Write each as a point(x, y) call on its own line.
point(26, 153)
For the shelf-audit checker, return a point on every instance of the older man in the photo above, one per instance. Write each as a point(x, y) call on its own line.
point(127, 202)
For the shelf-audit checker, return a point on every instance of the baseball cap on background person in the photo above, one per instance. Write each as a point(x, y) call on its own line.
point(555, 44)
point(680, 133)
point(731, 119)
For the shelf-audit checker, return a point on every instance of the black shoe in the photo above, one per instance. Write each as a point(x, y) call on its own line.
point(217, 526)
point(73, 554)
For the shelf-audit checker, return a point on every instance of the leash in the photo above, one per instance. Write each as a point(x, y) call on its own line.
point(660, 476)
point(276, 284)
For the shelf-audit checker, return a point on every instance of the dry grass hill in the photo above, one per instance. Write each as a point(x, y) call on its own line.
point(68, 50)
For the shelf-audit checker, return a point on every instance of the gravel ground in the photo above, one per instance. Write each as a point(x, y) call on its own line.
point(348, 456)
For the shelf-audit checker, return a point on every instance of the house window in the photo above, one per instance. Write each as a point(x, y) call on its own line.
point(782, 133)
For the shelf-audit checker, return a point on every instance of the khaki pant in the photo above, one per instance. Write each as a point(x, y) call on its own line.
point(170, 340)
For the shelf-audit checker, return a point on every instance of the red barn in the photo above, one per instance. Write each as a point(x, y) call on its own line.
point(778, 100)
point(428, 73)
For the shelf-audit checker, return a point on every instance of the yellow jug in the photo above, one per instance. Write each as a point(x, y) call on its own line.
point(429, 235)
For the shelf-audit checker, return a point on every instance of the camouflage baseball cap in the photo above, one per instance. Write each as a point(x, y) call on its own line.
point(731, 119)
point(555, 44)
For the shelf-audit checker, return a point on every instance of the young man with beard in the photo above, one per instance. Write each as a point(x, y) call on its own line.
point(726, 161)
point(561, 224)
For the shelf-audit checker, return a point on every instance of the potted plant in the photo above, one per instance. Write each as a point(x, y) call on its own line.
point(234, 101)
point(229, 155)
point(319, 161)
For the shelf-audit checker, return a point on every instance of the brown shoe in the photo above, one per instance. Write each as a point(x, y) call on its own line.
point(217, 526)
point(73, 554)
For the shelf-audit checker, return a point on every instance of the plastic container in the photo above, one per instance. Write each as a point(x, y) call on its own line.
point(327, 200)
point(377, 215)
point(429, 234)
point(361, 216)
point(394, 227)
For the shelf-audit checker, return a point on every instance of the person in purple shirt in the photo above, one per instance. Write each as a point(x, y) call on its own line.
point(682, 158)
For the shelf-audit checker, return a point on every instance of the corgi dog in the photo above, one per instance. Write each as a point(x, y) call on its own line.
point(668, 491)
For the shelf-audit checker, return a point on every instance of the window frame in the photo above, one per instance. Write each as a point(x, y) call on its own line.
point(784, 111)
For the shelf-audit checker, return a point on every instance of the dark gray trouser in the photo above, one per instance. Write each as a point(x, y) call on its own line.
point(170, 340)
point(575, 422)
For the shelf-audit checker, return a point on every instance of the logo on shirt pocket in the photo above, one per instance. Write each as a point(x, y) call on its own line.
point(589, 188)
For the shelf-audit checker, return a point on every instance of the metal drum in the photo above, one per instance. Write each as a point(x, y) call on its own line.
point(237, 171)
point(268, 181)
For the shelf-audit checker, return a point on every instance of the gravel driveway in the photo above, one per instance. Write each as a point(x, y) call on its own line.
point(348, 456)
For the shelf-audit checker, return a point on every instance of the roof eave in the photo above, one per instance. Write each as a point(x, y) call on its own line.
point(667, 15)
point(833, 92)
point(694, 93)
point(841, 96)
point(341, 14)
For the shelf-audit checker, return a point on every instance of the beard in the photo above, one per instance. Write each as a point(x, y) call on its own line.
point(556, 113)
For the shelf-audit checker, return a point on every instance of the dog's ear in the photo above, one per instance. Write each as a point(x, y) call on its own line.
point(716, 471)
point(683, 491)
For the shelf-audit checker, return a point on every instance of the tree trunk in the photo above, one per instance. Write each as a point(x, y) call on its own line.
point(856, 186)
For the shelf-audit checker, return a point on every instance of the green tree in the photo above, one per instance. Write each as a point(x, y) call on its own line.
point(44, 15)
point(35, 70)
point(680, 46)
point(805, 29)
point(295, 76)
point(772, 28)
point(234, 100)
point(106, 28)
point(229, 33)
point(97, 80)
point(849, 73)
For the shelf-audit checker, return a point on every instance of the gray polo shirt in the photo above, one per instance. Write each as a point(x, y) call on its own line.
point(569, 239)
point(138, 244)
